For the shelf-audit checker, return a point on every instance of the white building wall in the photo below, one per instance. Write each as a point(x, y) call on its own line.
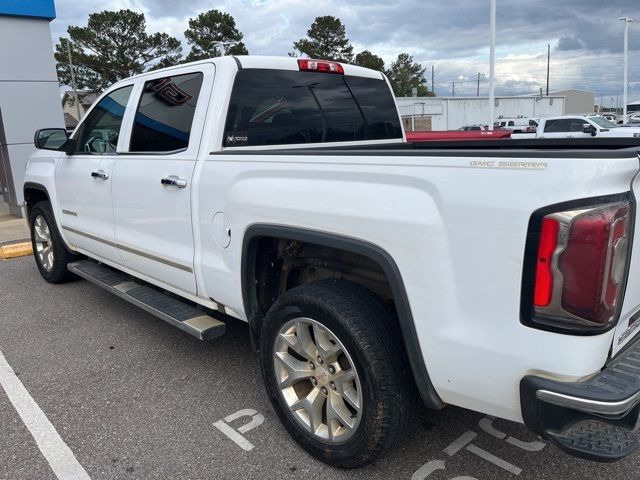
point(451, 113)
point(577, 101)
point(29, 97)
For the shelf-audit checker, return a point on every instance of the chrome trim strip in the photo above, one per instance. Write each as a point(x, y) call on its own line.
point(154, 258)
point(586, 405)
point(129, 249)
point(88, 235)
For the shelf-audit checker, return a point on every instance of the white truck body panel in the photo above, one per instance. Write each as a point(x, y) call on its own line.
point(454, 256)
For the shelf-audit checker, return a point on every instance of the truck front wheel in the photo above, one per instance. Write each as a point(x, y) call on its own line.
point(335, 372)
point(49, 250)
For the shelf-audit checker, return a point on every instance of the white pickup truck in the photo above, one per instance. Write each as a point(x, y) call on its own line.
point(579, 126)
point(374, 274)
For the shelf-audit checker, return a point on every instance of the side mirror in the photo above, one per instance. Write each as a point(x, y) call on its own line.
point(50, 138)
point(588, 128)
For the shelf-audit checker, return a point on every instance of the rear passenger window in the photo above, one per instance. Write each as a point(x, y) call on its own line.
point(165, 114)
point(276, 107)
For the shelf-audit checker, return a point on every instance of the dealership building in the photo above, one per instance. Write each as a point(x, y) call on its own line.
point(29, 92)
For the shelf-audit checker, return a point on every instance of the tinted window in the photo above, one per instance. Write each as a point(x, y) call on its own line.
point(564, 125)
point(99, 132)
point(273, 107)
point(165, 114)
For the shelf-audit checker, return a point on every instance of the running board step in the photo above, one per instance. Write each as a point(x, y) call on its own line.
point(179, 314)
point(595, 440)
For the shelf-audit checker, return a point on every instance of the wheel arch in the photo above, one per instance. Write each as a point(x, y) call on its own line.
point(255, 232)
point(34, 193)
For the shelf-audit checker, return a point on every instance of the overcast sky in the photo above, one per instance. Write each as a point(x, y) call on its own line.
point(586, 36)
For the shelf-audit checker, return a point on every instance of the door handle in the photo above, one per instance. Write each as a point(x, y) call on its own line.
point(173, 181)
point(100, 174)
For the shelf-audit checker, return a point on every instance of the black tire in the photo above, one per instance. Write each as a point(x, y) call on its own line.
point(58, 273)
point(370, 334)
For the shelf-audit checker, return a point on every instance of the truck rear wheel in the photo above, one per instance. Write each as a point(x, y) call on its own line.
point(49, 250)
point(335, 372)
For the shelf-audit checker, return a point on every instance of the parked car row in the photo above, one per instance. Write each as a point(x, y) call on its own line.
point(517, 124)
point(566, 126)
point(617, 119)
point(579, 126)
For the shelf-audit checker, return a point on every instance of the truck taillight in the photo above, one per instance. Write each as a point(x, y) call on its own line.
point(324, 66)
point(581, 266)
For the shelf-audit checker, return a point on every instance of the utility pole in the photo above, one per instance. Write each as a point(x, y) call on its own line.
point(453, 86)
point(548, 64)
point(73, 80)
point(478, 88)
point(492, 66)
point(433, 76)
point(626, 21)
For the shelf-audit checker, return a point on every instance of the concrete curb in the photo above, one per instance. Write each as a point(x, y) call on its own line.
point(16, 250)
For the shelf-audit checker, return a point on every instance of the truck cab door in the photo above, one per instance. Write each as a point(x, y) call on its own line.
point(152, 180)
point(83, 179)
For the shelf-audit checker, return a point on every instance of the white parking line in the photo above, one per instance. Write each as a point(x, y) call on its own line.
point(495, 460)
point(60, 457)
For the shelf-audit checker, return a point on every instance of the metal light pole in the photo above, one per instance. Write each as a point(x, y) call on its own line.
point(73, 80)
point(492, 62)
point(626, 21)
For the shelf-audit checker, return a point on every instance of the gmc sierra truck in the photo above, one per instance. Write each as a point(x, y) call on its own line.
point(374, 274)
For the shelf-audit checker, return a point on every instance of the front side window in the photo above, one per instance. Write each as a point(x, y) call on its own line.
point(98, 134)
point(165, 113)
point(277, 107)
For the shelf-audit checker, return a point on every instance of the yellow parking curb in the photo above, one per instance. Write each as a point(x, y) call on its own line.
point(16, 250)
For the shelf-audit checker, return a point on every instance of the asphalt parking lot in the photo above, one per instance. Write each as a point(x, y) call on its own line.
point(135, 398)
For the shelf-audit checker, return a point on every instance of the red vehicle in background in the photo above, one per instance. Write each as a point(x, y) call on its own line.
point(468, 132)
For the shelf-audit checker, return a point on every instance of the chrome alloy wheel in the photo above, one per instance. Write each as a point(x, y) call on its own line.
point(44, 247)
point(318, 380)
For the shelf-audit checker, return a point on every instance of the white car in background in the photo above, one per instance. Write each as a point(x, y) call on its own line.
point(580, 126)
point(613, 118)
point(517, 124)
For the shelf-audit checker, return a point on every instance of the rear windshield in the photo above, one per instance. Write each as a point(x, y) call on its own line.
point(276, 107)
